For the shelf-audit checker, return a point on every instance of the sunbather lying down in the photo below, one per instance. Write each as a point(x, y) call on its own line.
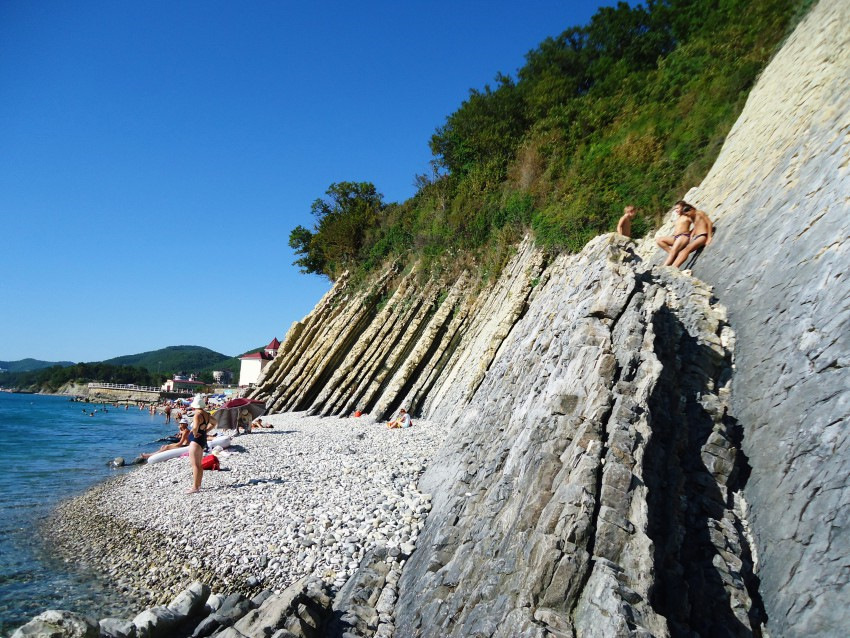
point(686, 238)
point(401, 421)
point(258, 423)
point(183, 441)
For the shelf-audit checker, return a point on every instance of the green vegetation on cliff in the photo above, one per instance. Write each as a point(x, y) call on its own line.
point(632, 108)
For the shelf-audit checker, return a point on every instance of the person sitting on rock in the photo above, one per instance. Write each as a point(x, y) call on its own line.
point(700, 234)
point(674, 244)
point(401, 421)
point(624, 226)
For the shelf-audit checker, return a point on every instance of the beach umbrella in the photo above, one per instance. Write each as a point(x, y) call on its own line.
point(229, 413)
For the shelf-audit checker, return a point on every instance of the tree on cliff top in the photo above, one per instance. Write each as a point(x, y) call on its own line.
point(343, 219)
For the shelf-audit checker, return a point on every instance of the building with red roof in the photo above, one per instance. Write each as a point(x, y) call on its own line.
point(252, 365)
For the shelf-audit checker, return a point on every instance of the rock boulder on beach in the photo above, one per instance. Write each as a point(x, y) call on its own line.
point(190, 601)
point(157, 622)
point(59, 624)
point(117, 628)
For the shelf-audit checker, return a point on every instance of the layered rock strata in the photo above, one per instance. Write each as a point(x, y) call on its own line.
point(592, 487)
point(398, 342)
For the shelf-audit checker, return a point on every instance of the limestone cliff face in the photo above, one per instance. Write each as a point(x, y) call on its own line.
point(610, 426)
point(592, 484)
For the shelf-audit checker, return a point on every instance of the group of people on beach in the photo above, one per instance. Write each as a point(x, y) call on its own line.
point(195, 438)
point(692, 231)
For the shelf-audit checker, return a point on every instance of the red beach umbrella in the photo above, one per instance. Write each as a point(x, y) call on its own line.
point(227, 416)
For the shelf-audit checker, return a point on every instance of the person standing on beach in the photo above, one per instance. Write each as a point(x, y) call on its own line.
point(168, 412)
point(202, 423)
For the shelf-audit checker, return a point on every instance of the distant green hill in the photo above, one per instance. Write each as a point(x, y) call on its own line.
point(25, 365)
point(173, 359)
point(189, 359)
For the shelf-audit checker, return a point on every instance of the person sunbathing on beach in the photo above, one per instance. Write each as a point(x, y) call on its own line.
point(624, 226)
point(258, 423)
point(401, 421)
point(674, 244)
point(182, 441)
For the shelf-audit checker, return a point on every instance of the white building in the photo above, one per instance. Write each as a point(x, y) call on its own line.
point(222, 376)
point(252, 365)
point(183, 383)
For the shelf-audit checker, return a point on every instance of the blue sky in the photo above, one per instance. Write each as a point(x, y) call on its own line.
point(155, 155)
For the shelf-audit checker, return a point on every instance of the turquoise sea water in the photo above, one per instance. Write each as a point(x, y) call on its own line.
point(51, 450)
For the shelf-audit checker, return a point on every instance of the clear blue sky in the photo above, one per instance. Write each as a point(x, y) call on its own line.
point(155, 155)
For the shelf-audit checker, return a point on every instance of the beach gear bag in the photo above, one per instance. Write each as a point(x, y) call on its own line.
point(210, 462)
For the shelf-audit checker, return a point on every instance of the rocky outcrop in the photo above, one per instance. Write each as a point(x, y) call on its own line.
point(593, 484)
point(398, 342)
point(62, 624)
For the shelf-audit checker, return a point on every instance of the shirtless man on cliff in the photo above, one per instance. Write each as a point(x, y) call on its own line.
point(685, 239)
point(624, 226)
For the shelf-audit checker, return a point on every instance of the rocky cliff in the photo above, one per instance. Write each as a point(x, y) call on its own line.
point(612, 418)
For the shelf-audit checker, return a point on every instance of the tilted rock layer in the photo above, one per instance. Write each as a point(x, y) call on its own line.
point(609, 427)
point(591, 485)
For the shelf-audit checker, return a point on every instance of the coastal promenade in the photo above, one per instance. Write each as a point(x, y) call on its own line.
point(124, 386)
point(123, 392)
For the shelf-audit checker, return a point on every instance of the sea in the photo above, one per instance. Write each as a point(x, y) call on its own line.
point(53, 449)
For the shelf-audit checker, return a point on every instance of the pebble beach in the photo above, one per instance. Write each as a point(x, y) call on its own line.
point(307, 498)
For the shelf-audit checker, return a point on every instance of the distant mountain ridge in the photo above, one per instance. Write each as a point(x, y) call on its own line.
point(172, 359)
point(25, 365)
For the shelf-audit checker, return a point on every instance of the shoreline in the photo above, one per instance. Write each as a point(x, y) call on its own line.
point(310, 497)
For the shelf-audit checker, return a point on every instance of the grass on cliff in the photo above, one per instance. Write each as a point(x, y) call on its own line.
point(631, 109)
